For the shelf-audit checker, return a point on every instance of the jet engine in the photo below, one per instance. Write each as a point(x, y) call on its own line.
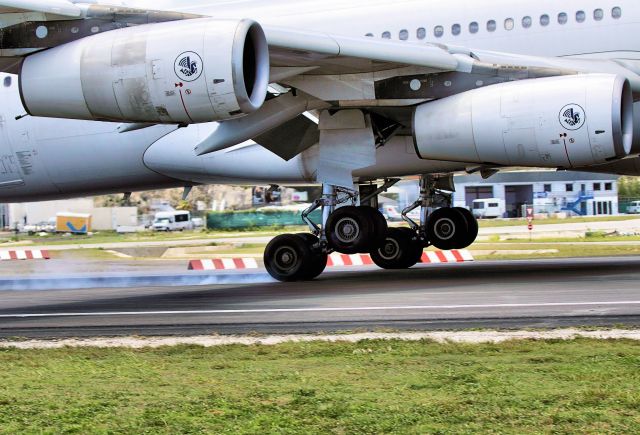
point(560, 122)
point(184, 72)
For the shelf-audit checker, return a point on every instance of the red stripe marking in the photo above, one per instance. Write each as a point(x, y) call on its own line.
point(441, 257)
point(366, 259)
point(29, 255)
point(196, 265)
point(185, 106)
point(13, 255)
point(425, 258)
point(347, 260)
point(329, 261)
point(458, 256)
point(239, 262)
point(218, 264)
point(45, 255)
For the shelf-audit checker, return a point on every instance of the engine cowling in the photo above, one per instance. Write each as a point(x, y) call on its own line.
point(562, 122)
point(183, 72)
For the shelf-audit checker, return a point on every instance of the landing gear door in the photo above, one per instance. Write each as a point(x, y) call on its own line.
point(10, 174)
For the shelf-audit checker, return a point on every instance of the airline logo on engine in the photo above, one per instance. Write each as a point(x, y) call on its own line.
point(188, 66)
point(572, 117)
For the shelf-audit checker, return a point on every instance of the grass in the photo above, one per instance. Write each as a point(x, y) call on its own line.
point(563, 250)
point(581, 386)
point(490, 223)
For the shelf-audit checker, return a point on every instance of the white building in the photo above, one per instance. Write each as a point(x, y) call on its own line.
point(575, 193)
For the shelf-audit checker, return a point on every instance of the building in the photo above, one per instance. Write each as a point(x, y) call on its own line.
point(550, 192)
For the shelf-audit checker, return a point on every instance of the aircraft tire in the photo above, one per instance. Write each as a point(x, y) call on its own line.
point(380, 228)
point(318, 261)
point(447, 228)
point(472, 226)
point(288, 258)
point(349, 230)
point(399, 251)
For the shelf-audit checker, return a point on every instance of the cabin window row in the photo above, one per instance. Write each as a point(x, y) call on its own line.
point(509, 24)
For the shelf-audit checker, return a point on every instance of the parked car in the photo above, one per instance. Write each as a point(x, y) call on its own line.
point(489, 208)
point(634, 207)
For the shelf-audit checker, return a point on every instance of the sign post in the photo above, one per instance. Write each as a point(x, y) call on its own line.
point(530, 220)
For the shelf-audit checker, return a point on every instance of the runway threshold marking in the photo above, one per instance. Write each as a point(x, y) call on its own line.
point(317, 310)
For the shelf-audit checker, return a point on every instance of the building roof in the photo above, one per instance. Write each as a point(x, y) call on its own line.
point(534, 177)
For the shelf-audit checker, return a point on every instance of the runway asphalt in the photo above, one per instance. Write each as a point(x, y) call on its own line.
point(514, 294)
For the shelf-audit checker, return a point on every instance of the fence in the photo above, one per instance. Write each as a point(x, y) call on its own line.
point(256, 218)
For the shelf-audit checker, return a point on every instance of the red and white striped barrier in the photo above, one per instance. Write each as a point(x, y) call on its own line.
point(224, 264)
point(428, 257)
point(455, 256)
point(24, 255)
point(349, 260)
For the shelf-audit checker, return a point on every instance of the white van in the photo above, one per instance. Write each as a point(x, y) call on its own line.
point(634, 207)
point(172, 221)
point(489, 208)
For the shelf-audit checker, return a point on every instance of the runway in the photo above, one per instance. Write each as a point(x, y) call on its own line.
point(515, 294)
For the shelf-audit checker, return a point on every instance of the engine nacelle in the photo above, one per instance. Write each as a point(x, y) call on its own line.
point(185, 72)
point(562, 122)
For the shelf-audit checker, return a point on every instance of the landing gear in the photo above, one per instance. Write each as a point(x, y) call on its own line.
point(349, 229)
point(352, 229)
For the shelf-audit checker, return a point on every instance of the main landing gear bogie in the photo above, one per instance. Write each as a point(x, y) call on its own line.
point(355, 229)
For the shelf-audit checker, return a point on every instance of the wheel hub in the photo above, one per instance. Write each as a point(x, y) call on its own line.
point(347, 230)
point(445, 228)
point(390, 250)
point(285, 258)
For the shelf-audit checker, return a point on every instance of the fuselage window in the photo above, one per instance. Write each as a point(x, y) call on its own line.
point(386, 35)
point(509, 24)
point(562, 18)
point(369, 35)
point(581, 16)
point(526, 22)
point(455, 29)
point(438, 31)
point(421, 33)
point(474, 27)
point(491, 25)
point(545, 20)
point(598, 14)
point(7, 82)
point(404, 34)
point(616, 12)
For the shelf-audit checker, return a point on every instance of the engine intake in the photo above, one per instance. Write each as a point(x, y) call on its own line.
point(562, 122)
point(185, 72)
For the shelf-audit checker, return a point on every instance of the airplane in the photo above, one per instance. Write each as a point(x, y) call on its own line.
point(119, 96)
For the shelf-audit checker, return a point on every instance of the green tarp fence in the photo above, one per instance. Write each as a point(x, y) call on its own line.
point(254, 219)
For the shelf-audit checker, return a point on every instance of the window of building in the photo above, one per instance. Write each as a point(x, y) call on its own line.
point(608, 186)
point(369, 35)
point(616, 12)
point(562, 18)
point(492, 25)
point(386, 35)
point(581, 16)
point(526, 22)
point(456, 29)
point(438, 31)
point(404, 34)
point(474, 27)
point(569, 187)
point(7, 82)
point(544, 20)
point(509, 24)
point(597, 186)
point(421, 33)
point(547, 187)
point(598, 14)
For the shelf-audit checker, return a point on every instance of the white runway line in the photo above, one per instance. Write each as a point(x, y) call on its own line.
point(319, 310)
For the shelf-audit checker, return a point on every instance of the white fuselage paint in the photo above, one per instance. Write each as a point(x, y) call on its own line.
point(44, 158)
